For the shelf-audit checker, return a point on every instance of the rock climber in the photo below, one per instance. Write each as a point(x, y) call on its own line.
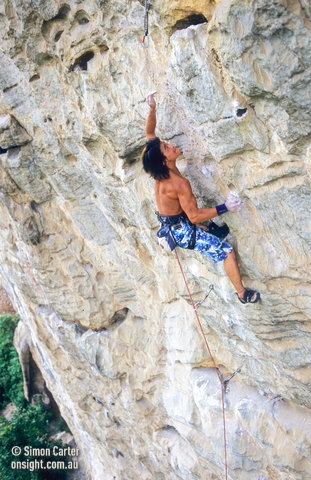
point(178, 209)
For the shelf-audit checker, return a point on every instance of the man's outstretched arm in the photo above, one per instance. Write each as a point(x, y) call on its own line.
point(151, 120)
point(195, 214)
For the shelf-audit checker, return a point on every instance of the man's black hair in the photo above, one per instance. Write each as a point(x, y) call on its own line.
point(154, 160)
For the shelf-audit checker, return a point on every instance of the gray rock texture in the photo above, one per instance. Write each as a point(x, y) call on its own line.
point(104, 310)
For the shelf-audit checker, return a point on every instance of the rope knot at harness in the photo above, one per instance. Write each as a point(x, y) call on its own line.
point(145, 38)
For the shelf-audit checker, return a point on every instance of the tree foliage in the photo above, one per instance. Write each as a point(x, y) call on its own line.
point(28, 425)
point(11, 379)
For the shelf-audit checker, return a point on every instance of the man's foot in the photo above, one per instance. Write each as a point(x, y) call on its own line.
point(248, 296)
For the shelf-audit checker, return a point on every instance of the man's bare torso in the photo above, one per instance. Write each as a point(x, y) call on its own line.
point(166, 192)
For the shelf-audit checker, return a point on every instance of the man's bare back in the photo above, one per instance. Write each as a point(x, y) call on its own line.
point(166, 192)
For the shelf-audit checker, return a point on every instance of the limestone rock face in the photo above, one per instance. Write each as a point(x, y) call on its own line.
point(104, 310)
point(5, 302)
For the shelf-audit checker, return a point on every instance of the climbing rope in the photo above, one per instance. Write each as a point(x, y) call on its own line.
point(145, 39)
point(223, 383)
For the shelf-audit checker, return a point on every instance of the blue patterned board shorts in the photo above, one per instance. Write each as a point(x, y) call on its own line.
point(205, 242)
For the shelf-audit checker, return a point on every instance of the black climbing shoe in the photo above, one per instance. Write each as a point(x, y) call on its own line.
point(249, 296)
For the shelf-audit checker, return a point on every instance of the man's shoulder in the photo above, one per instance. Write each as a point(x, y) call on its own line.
point(176, 182)
point(182, 182)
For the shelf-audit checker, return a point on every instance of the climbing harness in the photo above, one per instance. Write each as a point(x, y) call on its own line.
point(145, 38)
point(165, 235)
point(223, 383)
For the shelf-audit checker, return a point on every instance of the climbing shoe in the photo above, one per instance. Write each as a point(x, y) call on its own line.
point(249, 296)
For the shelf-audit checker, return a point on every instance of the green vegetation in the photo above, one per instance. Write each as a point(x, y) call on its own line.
point(11, 379)
point(28, 425)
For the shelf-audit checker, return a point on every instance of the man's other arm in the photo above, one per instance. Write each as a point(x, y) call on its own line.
point(151, 120)
point(189, 204)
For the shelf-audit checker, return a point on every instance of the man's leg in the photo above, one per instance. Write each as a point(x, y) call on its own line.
point(216, 249)
point(213, 247)
point(233, 272)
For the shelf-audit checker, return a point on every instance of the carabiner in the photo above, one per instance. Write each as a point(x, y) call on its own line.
point(145, 41)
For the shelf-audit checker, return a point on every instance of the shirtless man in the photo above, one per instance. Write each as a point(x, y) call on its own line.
point(178, 207)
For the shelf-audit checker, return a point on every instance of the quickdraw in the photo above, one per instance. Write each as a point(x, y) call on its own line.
point(199, 303)
point(145, 38)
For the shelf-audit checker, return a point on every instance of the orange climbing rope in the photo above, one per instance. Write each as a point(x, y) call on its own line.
point(222, 383)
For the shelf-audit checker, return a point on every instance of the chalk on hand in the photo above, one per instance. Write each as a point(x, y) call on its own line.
point(233, 201)
point(150, 98)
